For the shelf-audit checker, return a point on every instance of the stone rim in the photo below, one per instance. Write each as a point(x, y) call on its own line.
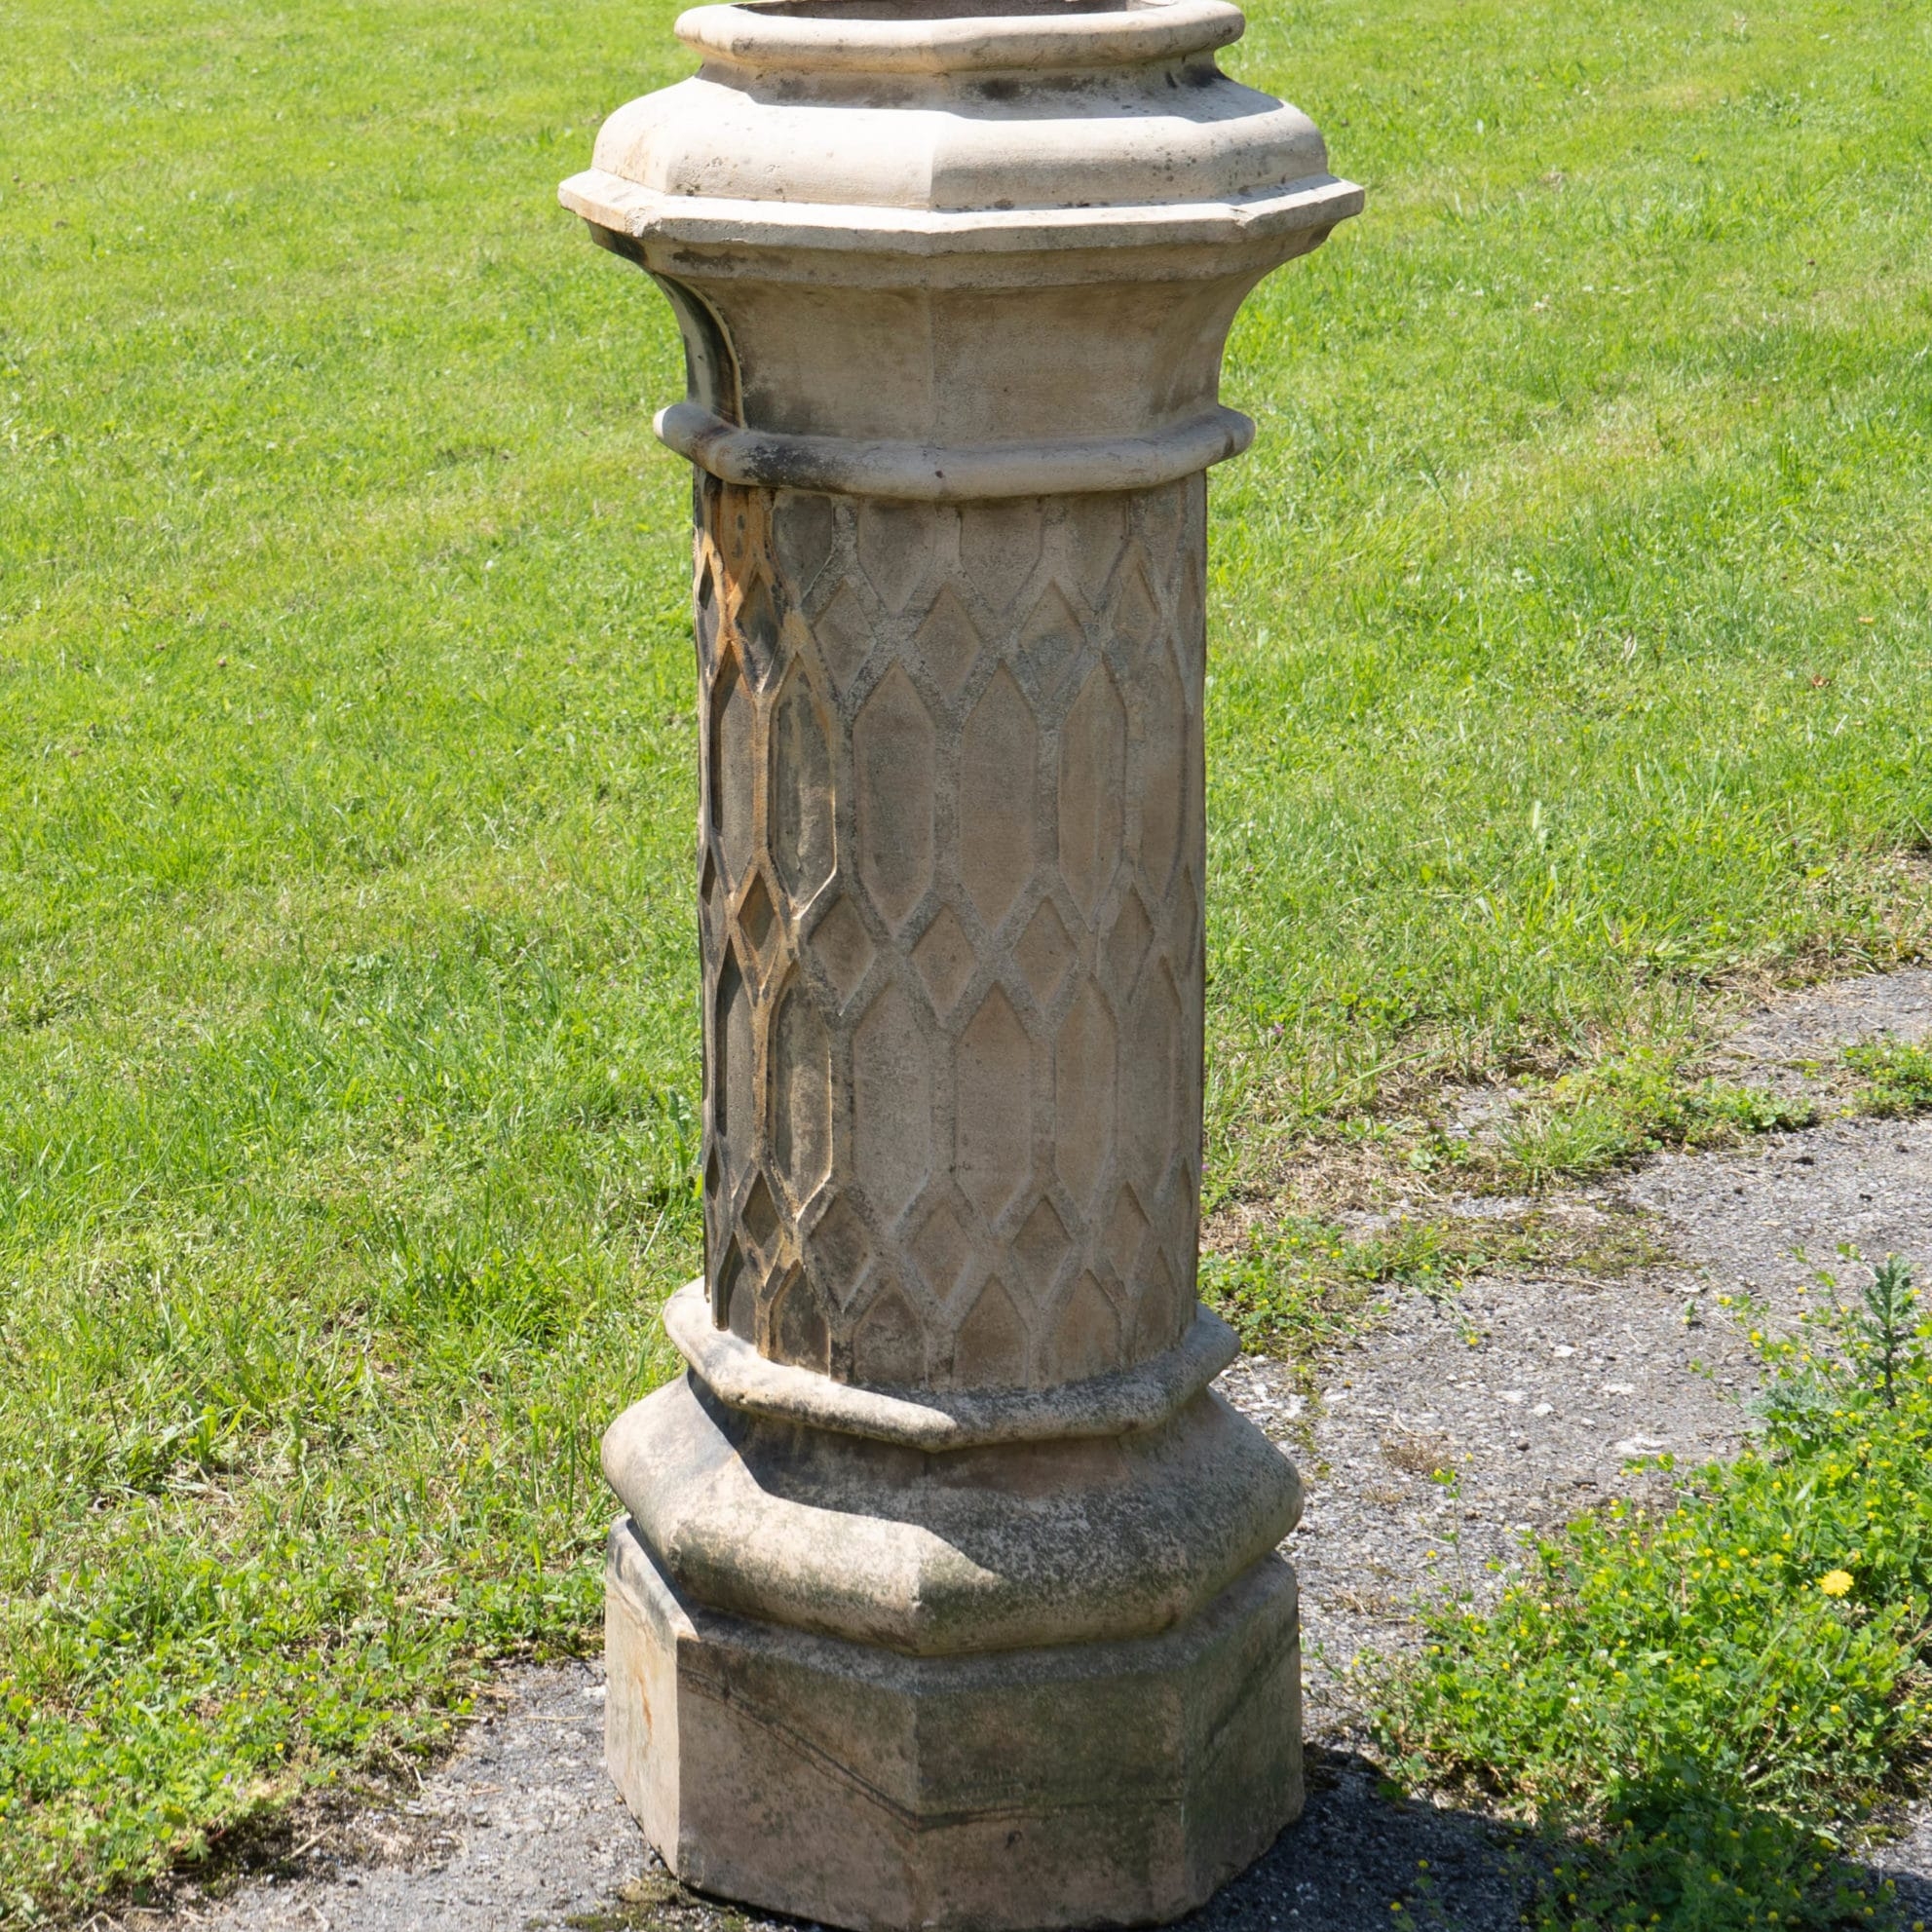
point(1193, 1736)
point(746, 236)
point(778, 38)
point(1123, 1402)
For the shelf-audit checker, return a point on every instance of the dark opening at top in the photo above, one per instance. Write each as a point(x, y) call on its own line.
point(939, 10)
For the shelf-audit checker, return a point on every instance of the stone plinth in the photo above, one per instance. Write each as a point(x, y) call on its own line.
point(1078, 1784)
point(947, 1593)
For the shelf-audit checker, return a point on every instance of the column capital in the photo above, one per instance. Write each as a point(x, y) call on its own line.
point(958, 257)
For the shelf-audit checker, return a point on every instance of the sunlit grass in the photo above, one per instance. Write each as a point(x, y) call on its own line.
point(1570, 641)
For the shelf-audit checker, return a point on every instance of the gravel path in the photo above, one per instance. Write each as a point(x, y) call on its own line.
point(520, 1827)
point(1528, 1392)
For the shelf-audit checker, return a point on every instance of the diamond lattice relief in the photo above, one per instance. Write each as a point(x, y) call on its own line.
point(1051, 638)
point(990, 1351)
point(1120, 1241)
point(1042, 1244)
point(1086, 1337)
point(730, 526)
point(1093, 759)
point(999, 549)
point(704, 601)
point(734, 788)
point(888, 1343)
point(895, 548)
point(839, 1252)
point(1136, 610)
point(1084, 1085)
point(1044, 952)
point(798, 1327)
point(951, 1110)
point(844, 635)
point(944, 1251)
point(758, 918)
point(1158, 1310)
point(948, 642)
point(1164, 516)
point(945, 959)
point(1186, 922)
point(1130, 933)
point(757, 625)
point(1150, 1089)
point(843, 948)
point(999, 814)
point(801, 1094)
point(732, 1061)
point(1160, 784)
point(805, 530)
point(803, 837)
point(734, 1305)
point(892, 1104)
point(1094, 541)
point(893, 757)
point(992, 1153)
point(759, 1218)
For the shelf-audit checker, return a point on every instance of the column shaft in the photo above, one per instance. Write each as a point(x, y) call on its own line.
point(951, 856)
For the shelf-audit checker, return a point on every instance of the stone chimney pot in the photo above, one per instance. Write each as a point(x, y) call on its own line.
point(947, 1591)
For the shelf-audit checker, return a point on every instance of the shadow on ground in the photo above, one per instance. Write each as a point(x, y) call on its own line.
point(1358, 1852)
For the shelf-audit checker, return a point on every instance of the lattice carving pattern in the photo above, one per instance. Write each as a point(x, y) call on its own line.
point(952, 859)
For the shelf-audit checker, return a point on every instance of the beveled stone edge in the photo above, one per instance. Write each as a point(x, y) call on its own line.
point(765, 40)
point(1117, 1403)
point(631, 1567)
point(931, 473)
point(630, 211)
point(996, 1548)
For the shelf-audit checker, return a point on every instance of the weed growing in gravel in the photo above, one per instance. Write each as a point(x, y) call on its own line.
point(1898, 1076)
point(1620, 1108)
point(656, 1901)
point(1292, 1289)
point(1705, 1697)
point(1297, 1287)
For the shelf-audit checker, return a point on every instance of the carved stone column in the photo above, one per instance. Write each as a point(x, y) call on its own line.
point(947, 1592)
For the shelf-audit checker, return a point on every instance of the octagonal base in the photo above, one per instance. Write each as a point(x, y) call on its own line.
point(1084, 1783)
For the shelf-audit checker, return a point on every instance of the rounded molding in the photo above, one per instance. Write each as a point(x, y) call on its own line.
point(1119, 1403)
point(932, 472)
point(1087, 1539)
point(865, 37)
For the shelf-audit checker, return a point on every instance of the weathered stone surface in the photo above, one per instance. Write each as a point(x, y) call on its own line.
point(952, 937)
point(948, 1596)
point(1087, 1784)
point(960, 258)
point(996, 1548)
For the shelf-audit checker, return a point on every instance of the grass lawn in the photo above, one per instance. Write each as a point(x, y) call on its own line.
point(1573, 658)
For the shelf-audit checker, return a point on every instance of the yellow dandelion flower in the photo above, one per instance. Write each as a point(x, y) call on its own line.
point(1836, 1582)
